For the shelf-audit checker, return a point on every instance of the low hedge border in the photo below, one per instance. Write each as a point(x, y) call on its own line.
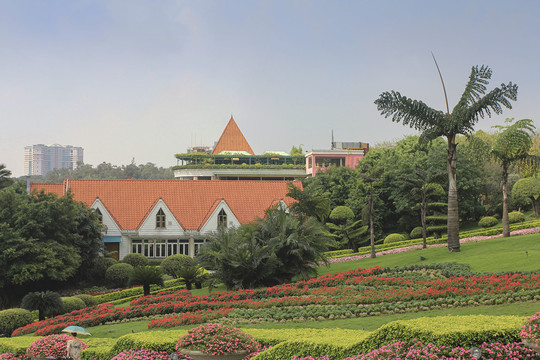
point(464, 331)
point(125, 295)
point(431, 240)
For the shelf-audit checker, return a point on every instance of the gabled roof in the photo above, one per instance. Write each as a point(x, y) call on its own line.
point(232, 139)
point(49, 188)
point(130, 201)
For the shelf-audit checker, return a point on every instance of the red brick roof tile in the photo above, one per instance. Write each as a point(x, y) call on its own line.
point(191, 202)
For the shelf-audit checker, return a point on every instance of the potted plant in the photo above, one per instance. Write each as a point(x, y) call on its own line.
point(530, 332)
point(217, 341)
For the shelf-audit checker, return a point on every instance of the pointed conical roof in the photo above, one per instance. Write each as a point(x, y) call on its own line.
point(232, 139)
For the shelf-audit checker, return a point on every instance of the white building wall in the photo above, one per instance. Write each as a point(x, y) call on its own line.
point(211, 224)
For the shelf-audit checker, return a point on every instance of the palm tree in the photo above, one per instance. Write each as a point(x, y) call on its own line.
point(47, 303)
point(146, 276)
point(426, 186)
point(473, 105)
point(4, 176)
point(371, 176)
point(511, 146)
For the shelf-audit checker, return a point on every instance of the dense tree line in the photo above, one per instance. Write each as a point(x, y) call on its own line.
point(107, 171)
point(409, 171)
point(45, 242)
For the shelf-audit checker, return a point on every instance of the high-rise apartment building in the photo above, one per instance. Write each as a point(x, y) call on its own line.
point(40, 159)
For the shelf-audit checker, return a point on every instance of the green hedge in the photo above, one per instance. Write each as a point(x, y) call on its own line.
point(152, 340)
point(12, 319)
point(464, 331)
point(16, 345)
point(431, 240)
point(135, 292)
point(453, 331)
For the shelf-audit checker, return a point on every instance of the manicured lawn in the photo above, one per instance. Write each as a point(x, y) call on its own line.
point(517, 253)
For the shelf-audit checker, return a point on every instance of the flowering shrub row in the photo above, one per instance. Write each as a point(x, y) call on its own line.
point(357, 287)
point(195, 317)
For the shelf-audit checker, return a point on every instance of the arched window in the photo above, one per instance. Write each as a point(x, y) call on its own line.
point(160, 219)
point(100, 215)
point(222, 219)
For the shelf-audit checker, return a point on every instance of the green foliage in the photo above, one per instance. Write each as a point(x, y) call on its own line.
point(11, 319)
point(72, 303)
point(173, 264)
point(88, 300)
point(100, 267)
point(135, 260)
point(473, 105)
point(44, 238)
point(190, 275)
point(267, 252)
point(5, 174)
point(309, 203)
point(341, 214)
point(118, 274)
point(528, 189)
point(47, 303)
point(107, 171)
point(488, 221)
point(416, 232)
point(516, 217)
point(146, 276)
point(393, 238)
point(16, 345)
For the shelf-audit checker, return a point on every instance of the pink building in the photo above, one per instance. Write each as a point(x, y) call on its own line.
point(342, 154)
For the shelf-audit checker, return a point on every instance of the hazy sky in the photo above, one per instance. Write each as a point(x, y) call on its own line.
point(148, 79)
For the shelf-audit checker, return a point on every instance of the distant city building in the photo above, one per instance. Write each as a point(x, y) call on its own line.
point(40, 159)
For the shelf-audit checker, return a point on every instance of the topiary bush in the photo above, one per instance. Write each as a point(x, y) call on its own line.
point(174, 264)
point(135, 260)
point(416, 233)
point(393, 238)
point(52, 345)
point(118, 274)
point(100, 267)
point(516, 217)
point(89, 300)
point(488, 221)
point(11, 319)
point(72, 303)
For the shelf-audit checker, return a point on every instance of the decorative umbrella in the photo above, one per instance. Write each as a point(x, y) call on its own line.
point(79, 330)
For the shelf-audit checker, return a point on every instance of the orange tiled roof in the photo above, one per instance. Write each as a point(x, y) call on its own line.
point(55, 188)
point(232, 139)
point(191, 202)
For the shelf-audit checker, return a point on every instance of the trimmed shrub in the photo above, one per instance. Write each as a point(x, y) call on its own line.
point(341, 214)
point(52, 345)
point(173, 264)
point(488, 221)
point(516, 217)
point(118, 274)
point(416, 232)
point(100, 267)
point(135, 260)
point(89, 300)
point(393, 238)
point(11, 319)
point(72, 303)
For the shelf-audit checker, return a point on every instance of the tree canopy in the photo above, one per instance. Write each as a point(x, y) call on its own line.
point(473, 105)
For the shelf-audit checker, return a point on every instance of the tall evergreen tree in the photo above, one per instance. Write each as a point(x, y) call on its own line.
point(473, 105)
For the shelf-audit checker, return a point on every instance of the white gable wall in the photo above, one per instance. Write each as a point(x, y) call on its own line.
point(211, 224)
point(172, 227)
point(112, 227)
